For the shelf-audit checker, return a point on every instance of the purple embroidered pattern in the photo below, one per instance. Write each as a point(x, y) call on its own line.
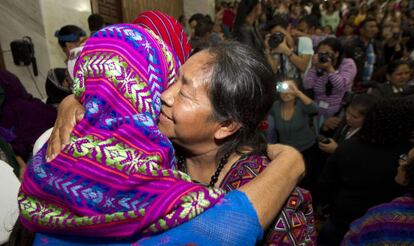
point(116, 178)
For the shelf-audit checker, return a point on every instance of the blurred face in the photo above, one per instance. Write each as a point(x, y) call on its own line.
point(370, 29)
point(348, 30)
point(400, 76)
point(303, 27)
point(400, 177)
point(354, 118)
point(186, 116)
point(289, 95)
point(258, 10)
point(328, 49)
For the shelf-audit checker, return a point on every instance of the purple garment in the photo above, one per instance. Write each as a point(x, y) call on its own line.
point(27, 117)
point(342, 80)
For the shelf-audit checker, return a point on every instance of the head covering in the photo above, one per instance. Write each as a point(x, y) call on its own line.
point(116, 178)
point(169, 29)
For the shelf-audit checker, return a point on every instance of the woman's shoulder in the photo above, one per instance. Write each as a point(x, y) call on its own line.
point(244, 170)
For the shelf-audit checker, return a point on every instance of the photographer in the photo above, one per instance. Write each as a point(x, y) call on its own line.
point(289, 57)
point(291, 115)
point(330, 77)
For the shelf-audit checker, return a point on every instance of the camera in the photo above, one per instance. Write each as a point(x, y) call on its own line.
point(323, 139)
point(276, 39)
point(282, 87)
point(324, 57)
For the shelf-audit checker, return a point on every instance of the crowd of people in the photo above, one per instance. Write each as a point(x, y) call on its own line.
point(164, 126)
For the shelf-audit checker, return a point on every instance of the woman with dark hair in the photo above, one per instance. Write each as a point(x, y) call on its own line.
point(122, 170)
point(354, 119)
point(245, 28)
point(330, 77)
point(398, 75)
point(360, 173)
point(390, 223)
point(291, 115)
point(223, 93)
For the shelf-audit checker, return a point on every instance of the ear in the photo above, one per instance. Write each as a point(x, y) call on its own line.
point(226, 129)
point(388, 77)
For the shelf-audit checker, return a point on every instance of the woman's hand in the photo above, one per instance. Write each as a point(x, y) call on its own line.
point(331, 123)
point(70, 112)
point(329, 147)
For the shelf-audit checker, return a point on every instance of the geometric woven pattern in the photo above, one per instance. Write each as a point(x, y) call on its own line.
point(117, 176)
point(295, 224)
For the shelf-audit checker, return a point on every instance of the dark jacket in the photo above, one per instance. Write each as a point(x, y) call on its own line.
point(358, 176)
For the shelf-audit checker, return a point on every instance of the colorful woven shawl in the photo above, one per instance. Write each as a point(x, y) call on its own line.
point(116, 178)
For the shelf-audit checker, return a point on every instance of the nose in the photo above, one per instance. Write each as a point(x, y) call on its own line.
point(168, 96)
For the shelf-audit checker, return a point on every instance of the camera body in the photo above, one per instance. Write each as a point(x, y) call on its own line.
point(276, 39)
point(282, 87)
point(324, 57)
point(323, 139)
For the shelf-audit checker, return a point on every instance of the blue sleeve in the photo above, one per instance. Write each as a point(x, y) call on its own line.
point(231, 222)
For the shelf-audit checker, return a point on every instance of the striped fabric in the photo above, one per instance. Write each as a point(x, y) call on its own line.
point(167, 28)
point(116, 178)
point(386, 224)
point(341, 80)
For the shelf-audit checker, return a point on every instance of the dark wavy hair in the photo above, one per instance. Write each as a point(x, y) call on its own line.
point(244, 9)
point(241, 89)
point(390, 122)
point(394, 65)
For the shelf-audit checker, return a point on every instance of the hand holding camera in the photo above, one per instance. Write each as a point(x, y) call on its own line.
point(277, 43)
point(287, 87)
point(324, 61)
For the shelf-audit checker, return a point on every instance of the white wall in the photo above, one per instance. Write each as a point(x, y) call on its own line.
point(58, 13)
point(23, 18)
point(199, 6)
point(39, 19)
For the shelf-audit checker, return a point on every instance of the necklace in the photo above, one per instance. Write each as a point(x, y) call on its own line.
point(214, 178)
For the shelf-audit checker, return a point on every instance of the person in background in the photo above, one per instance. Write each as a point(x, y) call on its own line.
point(95, 22)
point(291, 116)
point(330, 77)
point(23, 119)
point(355, 115)
point(366, 52)
point(245, 28)
point(291, 55)
point(193, 23)
point(307, 27)
point(360, 173)
point(70, 37)
point(398, 75)
point(58, 85)
point(330, 16)
point(348, 33)
point(390, 223)
point(394, 47)
point(362, 14)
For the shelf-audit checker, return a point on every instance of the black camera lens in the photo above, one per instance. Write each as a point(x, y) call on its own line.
point(276, 39)
point(324, 57)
